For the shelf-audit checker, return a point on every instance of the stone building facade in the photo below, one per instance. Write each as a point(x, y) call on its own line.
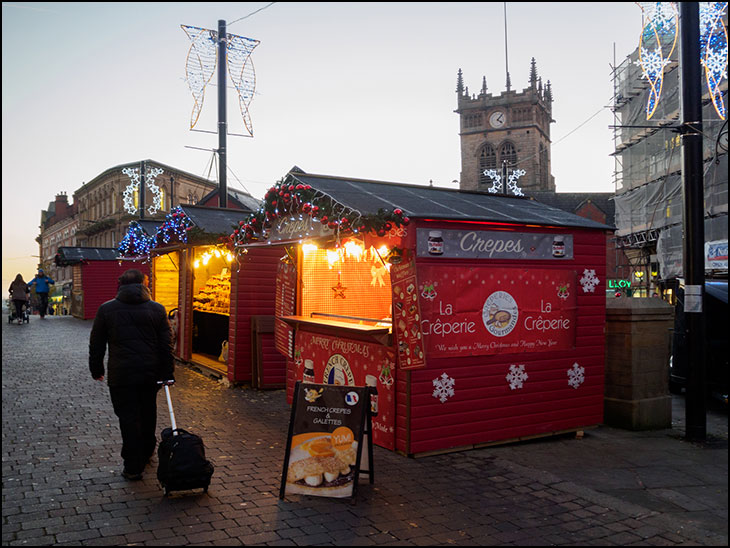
point(512, 129)
point(103, 208)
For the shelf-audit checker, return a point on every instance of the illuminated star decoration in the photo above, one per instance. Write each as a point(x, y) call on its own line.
point(203, 58)
point(339, 290)
point(658, 35)
point(713, 50)
point(128, 194)
point(512, 178)
point(150, 176)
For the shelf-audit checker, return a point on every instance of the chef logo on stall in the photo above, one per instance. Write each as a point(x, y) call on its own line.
point(338, 372)
point(500, 313)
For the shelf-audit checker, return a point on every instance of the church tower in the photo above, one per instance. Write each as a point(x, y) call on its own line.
point(511, 129)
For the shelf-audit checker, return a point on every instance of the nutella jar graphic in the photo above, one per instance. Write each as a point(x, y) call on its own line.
point(308, 371)
point(559, 246)
point(435, 243)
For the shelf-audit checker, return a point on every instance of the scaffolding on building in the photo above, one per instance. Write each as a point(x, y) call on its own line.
point(648, 176)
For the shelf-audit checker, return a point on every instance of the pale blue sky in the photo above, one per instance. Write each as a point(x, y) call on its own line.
point(357, 89)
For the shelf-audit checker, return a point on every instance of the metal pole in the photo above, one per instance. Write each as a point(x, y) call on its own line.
point(222, 128)
point(694, 229)
point(141, 189)
point(172, 192)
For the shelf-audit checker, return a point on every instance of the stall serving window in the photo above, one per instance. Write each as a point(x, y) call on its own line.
point(211, 305)
point(166, 273)
point(349, 283)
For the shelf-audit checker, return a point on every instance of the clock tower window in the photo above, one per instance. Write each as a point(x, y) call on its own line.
point(487, 160)
point(508, 154)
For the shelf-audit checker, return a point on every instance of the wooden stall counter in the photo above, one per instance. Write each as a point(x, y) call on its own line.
point(325, 325)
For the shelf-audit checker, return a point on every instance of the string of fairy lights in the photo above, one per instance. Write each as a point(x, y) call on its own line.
point(137, 243)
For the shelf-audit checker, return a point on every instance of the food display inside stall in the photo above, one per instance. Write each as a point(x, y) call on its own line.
point(215, 295)
point(211, 305)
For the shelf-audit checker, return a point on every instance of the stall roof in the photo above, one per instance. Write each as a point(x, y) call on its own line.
point(150, 227)
point(72, 255)
point(440, 203)
point(215, 220)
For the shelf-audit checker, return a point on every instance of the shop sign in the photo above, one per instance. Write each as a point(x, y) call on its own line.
point(481, 310)
point(325, 452)
point(619, 284)
point(290, 229)
point(716, 255)
point(484, 244)
point(407, 313)
point(338, 361)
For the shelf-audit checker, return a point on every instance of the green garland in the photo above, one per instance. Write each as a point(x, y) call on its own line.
point(288, 199)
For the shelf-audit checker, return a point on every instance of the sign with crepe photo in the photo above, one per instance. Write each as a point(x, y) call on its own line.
point(324, 451)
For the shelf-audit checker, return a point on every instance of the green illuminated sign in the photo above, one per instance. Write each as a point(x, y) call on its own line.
point(619, 284)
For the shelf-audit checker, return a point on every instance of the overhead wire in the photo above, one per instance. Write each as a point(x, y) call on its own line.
point(252, 13)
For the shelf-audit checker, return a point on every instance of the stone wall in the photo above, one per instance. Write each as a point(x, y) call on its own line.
point(638, 339)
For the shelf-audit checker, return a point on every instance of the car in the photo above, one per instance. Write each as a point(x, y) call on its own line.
point(715, 309)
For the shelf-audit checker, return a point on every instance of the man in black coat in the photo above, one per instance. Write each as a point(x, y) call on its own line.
point(138, 334)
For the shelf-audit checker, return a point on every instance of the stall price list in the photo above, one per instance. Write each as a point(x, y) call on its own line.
point(407, 314)
point(285, 305)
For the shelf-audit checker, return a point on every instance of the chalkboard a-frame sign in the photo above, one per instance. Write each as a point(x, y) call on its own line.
point(324, 448)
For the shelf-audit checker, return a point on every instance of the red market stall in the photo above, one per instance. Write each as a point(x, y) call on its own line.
point(95, 274)
point(214, 299)
point(478, 317)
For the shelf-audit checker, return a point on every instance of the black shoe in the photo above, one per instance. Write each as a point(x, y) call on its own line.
point(131, 477)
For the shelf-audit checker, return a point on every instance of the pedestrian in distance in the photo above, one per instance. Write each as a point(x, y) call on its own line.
point(20, 293)
point(42, 285)
point(136, 331)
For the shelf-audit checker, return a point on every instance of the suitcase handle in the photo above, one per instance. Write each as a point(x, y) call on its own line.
point(169, 406)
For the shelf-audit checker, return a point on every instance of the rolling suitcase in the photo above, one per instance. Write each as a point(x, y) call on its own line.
point(181, 455)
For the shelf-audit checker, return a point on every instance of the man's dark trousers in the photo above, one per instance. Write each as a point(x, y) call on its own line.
point(43, 306)
point(136, 407)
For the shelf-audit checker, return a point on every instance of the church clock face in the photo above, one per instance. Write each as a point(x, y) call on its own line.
point(497, 119)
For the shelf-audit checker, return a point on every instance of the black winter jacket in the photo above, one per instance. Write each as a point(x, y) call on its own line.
point(138, 334)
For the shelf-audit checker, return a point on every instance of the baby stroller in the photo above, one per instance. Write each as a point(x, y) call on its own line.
point(24, 315)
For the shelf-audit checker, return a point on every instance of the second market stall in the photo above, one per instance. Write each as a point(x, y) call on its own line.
point(477, 317)
point(212, 297)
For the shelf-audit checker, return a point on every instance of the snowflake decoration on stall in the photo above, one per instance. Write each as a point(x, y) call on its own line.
point(576, 375)
point(516, 376)
point(589, 281)
point(443, 388)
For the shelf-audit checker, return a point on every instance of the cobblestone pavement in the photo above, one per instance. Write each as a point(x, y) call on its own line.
point(61, 482)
